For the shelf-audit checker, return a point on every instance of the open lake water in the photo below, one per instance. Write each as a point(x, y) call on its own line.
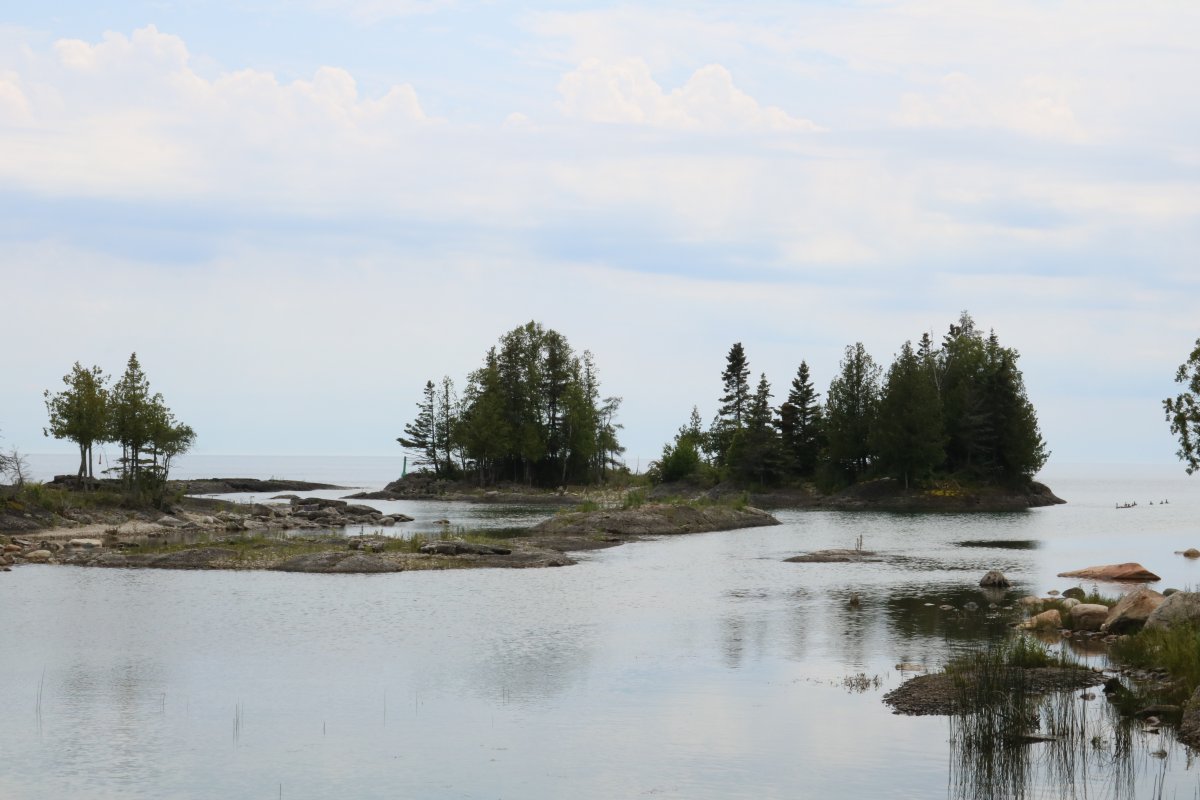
point(698, 666)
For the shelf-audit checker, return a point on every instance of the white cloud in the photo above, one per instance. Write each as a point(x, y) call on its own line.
point(626, 93)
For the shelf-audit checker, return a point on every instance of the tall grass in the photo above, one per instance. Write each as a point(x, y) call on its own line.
point(1176, 650)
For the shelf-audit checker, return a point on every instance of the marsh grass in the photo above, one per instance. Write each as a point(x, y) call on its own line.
point(1175, 650)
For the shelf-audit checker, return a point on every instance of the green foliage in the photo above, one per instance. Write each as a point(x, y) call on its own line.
point(1183, 411)
point(850, 409)
point(634, 499)
point(1175, 649)
point(801, 426)
point(80, 412)
point(755, 454)
point(533, 413)
point(908, 434)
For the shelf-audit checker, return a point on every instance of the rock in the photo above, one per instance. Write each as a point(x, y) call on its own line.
point(1129, 571)
point(657, 519)
point(338, 562)
point(200, 558)
point(1030, 602)
point(833, 557)
point(38, 556)
point(85, 543)
point(1088, 616)
point(456, 547)
point(1075, 592)
point(359, 510)
point(994, 578)
point(1067, 603)
point(1191, 552)
point(1169, 592)
point(319, 502)
point(1131, 611)
point(1180, 608)
point(1045, 621)
point(12, 548)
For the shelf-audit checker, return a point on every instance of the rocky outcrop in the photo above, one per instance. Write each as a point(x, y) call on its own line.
point(1131, 611)
point(1129, 571)
point(1181, 608)
point(247, 485)
point(457, 547)
point(939, 693)
point(654, 520)
point(338, 562)
point(888, 494)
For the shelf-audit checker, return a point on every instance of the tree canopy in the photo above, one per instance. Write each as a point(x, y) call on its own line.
point(1183, 411)
point(959, 409)
point(533, 412)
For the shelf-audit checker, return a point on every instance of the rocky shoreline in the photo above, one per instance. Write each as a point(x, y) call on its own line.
point(193, 540)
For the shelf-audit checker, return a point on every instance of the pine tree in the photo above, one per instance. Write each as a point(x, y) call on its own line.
point(129, 421)
point(908, 434)
point(735, 403)
point(420, 435)
point(800, 426)
point(754, 453)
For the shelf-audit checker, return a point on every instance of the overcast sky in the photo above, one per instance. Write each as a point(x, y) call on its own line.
point(296, 213)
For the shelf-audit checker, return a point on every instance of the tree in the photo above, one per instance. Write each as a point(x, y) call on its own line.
point(167, 439)
point(420, 435)
point(800, 425)
point(1183, 411)
point(908, 435)
point(1017, 450)
point(80, 413)
point(754, 453)
point(735, 403)
point(129, 419)
point(850, 408)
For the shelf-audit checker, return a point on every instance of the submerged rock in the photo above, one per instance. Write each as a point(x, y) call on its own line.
point(1047, 620)
point(655, 520)
point(834, 556)
point(1129, 571)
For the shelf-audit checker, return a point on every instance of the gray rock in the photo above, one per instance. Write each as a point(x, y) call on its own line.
point(200, 558)
point(1075, 592)
point(456, 547)
point(38, 556)
point(1088, 616)
point(1181, 608)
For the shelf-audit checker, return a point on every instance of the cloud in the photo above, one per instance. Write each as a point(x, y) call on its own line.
point(625, 93)
point(129, 117)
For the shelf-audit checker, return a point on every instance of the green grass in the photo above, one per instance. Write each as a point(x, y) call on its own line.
point(1176, 650)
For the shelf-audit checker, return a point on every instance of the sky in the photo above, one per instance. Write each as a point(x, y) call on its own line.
point(297, 213)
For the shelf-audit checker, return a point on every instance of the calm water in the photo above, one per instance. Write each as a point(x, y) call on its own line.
point(690, 667)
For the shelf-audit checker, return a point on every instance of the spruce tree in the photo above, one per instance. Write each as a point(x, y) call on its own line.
point(908, 435)
point(800, 426)
point(420, 435)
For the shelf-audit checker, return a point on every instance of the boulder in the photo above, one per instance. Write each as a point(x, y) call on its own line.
point(1030, 602)
point(1046, 620)
point(994, 578)
point(1088, 616)
point(1189, 728)
point(86, 543)
point(1067, 603)
point(1191, 552)
point(38, 556)
point(1129, 571)
point(1131, 611)
point(1181, 608)
point(1075, 592)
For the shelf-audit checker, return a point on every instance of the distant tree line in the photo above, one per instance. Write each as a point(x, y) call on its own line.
point(89, 412)
point(958, 408)
point(532, 413)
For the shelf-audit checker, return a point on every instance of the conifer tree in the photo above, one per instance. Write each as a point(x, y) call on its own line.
point(908, 434)
point(800, 425)
point(420, 435)
point(850, 408)
point(80, 413)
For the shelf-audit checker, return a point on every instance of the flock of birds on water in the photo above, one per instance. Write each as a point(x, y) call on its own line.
point(1134, 504)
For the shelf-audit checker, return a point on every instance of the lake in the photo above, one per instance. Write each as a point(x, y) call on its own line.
point(700, 666)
